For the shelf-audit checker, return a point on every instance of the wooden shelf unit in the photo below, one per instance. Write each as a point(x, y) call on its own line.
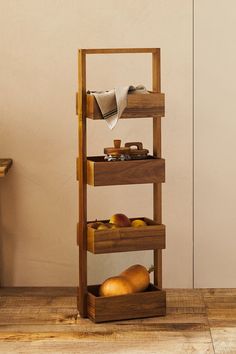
point(97, 172)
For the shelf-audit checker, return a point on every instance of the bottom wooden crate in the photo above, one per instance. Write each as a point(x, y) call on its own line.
point(149, 303)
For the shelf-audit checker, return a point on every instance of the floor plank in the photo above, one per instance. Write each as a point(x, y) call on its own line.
point(221, 313)
point(45, 320)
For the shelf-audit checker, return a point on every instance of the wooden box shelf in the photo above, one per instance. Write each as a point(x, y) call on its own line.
point(126, 239)
point(104, 173)
point(139, 105)
point(149, 303)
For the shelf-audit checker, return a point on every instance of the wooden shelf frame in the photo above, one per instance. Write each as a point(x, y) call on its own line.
point(82, 166)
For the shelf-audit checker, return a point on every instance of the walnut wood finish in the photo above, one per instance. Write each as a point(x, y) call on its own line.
point(140, 105)
point(149, 303)
point(5, 165)
point(126, 239)
point(104, 173)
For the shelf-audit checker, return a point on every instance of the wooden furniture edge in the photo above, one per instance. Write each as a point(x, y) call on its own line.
point(5, 165)
point(119, 50)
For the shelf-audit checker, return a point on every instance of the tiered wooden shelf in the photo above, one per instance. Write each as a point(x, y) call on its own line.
point(97, 172)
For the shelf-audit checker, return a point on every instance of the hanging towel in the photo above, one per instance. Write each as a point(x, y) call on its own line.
point(112, 103)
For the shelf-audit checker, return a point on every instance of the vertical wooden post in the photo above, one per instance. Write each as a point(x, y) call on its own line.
point(82, 229)
point(157, 214)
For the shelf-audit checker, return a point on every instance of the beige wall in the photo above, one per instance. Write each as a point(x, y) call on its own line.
point(215, 143)
point(38, 129)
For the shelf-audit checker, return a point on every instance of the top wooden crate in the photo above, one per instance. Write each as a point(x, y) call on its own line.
point(139, 105)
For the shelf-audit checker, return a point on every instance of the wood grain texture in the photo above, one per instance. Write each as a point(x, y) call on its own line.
point(82, 172)
point(5, 165)
point(45, 320)
point(138, 106)
point(157, 190)
point(149, 303)
point(120, 50)
point(126, 239)
point(104, 173)
point(221, 312)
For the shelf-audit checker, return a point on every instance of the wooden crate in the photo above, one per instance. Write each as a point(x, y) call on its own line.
point(124, 239)
point(104, 173)
point(149, 303)
point(147, 105)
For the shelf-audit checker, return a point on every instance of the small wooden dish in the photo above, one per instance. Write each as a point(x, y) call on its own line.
point(117, 150)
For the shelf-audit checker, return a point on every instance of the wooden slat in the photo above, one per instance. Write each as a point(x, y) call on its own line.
point(37, 292)
point(157, 200)
point(82, 241)
point(120, 50)
point(221, 312)
point(133, 344)
point(5, 165)
point(221, 306)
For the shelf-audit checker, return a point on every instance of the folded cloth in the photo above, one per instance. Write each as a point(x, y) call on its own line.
point(112, 103)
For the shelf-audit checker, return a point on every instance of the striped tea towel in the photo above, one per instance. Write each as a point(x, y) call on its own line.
point(112, 103)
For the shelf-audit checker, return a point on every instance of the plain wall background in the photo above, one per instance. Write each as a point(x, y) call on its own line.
point(215, 143)
point(38, 129)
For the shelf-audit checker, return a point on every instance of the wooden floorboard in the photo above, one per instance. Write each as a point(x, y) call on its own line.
point(221, 313)
point(45, 320)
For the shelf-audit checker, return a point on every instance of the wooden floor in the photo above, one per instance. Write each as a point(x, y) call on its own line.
point(45, 320)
